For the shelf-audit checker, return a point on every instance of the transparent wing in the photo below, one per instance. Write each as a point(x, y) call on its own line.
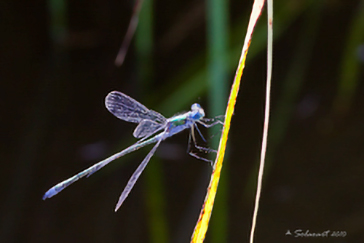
point(133, 179)
point(147, 128)
point(128, 109)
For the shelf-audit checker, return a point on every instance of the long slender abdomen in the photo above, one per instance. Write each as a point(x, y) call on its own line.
point(89, 171)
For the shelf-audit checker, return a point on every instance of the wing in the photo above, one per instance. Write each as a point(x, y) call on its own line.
point(135, 176)
point(147, 128)
point(128, 109)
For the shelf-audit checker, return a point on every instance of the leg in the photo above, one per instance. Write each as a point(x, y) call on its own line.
point(201, 158)
point(203, 122)
point(198, 130)
point(206, 150)
point(189, 142)
point(212, 119)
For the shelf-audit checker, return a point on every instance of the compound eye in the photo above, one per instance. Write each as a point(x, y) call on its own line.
point(195, 106)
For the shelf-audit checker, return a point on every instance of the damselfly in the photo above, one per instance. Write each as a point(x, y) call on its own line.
point(150, 122)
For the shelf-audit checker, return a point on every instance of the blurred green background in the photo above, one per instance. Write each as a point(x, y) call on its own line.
point(57, 67)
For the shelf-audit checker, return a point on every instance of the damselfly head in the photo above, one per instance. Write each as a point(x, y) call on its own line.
point(197, 111)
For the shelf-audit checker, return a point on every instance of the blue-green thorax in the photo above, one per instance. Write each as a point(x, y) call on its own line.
point(187, 119)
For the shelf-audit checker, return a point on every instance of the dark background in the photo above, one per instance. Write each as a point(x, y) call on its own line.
point(58, 65)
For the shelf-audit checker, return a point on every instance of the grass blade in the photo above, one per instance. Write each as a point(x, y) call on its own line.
point(204, 218)
point(266, 117)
